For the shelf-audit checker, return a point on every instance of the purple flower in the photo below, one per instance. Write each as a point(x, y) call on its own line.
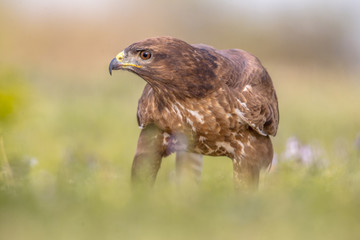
point(357, 142)
point(305, 154)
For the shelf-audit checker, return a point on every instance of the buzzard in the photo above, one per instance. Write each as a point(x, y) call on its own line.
point(201, 101)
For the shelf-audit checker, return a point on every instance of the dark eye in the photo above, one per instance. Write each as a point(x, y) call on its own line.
point(145, 55)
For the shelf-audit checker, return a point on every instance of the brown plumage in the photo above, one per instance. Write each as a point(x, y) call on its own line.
point(203, 101)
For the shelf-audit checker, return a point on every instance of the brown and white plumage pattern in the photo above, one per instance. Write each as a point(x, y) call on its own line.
point(204, 101)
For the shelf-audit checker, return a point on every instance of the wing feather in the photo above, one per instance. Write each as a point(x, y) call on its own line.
point(254, 91)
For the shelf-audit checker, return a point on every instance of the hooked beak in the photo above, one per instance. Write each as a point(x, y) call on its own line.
point(114, 65)
point(117, 63)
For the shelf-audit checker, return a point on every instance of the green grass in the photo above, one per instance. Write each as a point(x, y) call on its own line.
point(70, 142)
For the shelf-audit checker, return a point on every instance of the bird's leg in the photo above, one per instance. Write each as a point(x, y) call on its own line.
point(246, 175)
point(148, 156)
point(188, 166)
point(255, 154)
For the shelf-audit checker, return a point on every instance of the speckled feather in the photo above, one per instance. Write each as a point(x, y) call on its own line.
point(242, 98)
point(207, 101)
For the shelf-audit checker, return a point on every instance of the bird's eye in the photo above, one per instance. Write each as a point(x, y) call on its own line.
point(145, 55)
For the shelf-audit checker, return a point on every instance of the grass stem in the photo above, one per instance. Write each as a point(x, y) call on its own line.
point(5, 169)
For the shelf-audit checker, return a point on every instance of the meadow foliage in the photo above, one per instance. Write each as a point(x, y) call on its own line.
point(68, 131)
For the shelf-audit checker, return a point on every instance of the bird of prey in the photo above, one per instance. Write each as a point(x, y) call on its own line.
point(201, 101)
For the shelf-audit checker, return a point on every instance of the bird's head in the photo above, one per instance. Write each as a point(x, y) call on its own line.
point(170, 64)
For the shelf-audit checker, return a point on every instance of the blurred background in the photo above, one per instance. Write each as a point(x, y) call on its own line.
point(68, 130)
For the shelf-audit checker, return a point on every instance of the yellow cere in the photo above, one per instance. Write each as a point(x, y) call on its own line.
point(120, 58)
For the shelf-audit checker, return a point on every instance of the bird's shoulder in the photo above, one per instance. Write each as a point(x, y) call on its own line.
point(254, 91)
point(251, 85)
point(237, 67)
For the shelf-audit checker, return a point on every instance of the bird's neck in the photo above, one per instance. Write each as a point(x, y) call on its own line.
point(159, 98)
point(180, 87)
